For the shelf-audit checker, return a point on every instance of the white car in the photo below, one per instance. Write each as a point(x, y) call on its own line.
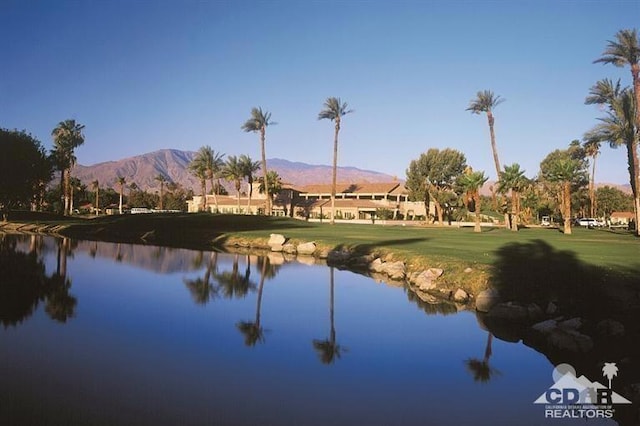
point(589, 222)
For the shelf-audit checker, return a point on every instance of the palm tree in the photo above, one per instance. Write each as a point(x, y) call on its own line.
point(162, 179)
point(328, 349)
point(618, 128)
point(274, 184)
point(211, 162)
point(96, 187)
point(67, 136)
point(258, 123)
point(564, 171)
point(249, 169)
point(121, 181)
point(199, 171)
point(486, 102)
point(471, 182)
point(334, 110)
point(592, 149)
point(513, 179)
point(625, 50)
point(233, 172)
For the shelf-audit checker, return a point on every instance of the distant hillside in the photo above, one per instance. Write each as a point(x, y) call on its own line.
point(173, 164)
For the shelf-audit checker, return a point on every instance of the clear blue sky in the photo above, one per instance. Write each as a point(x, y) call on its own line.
point(145, 75)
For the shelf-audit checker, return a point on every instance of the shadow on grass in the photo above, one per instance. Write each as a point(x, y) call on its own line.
point(535, 272)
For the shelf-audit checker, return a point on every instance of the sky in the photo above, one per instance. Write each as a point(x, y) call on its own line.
point(145, 75)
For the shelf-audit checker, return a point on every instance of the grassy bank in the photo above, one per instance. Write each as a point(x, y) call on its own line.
point(453, 249)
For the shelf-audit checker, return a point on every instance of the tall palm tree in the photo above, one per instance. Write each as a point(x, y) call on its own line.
point(513, 179)
point(67, 136)
point(199, 171)
point(162, 179)
point(618, 128)
point(121, 181)
point(249, 169)
point(96, 187)
point(258, 123)
point(212, 162)
point(233, 172)
point(329, 350)
point(592, 149)
point(625, 50)
point(485, 101)
point(334, 110)
point(471, 183)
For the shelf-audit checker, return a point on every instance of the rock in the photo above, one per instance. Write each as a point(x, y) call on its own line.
point(339, 257)
point(425, 281)
point(395, 270)
point(552, 309)
point(276, 239)
point(428, 298)
point(468, 270)
point(434, 272)
point(323, 254)
point(509, 311)
point(545, 327)
point(610, 328)
point(487, 299)
point(277, 247)
point(376, 265)
point(306, 248)
point(534, 311)
point(289, 248)
point(569, 340)
point(571, 324)
point(460, 296)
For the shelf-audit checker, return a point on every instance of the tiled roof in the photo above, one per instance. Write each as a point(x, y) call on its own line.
point(353, 188)
point(628, 215)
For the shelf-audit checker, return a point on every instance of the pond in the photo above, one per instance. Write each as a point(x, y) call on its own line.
point(98, 333)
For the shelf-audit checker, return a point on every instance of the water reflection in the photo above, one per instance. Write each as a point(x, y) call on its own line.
point(25, 282)
point(252, 330)
point(479, 368)
point(328, 349)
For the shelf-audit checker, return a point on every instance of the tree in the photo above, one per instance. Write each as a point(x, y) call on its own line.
point(432, 177)
point(485, 101)
point(471, 183)
point(611, 200)
point(211, 163)
point(24, 169)
point(96, 187)
point(513, 179)
point(258, 123)
point(67, 136)
point(162, 179)
point(121, 181)
point(249, 168)
point(618, 128)
point(233, 172)
point(566, 170)
point(274, 183)
point(592, 149)
point(199, 171)
point(625, 50)
point(334, 110)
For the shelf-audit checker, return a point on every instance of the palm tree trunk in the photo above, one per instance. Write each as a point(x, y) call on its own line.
point(496, 161)
point(592, 188)
point(264, 172)
point(238, 195)
point(62, 189)
point(334, 174)
point(120, 203)
point(249, 194)
point(332, 336)
point(67, 187)
point(514, 210)
point(476, 201)
point(203, 189)
point(566, 203)
point(214, 192)
point(634, 174)
point(97, 200)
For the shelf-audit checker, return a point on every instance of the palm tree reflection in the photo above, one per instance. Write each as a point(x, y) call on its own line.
point(233, 284)
point(201, 289)
point(328, 349)
point(480, 369)
point(252, 330)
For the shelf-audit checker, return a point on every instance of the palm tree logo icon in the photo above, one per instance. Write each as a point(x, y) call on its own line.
point(609, 371)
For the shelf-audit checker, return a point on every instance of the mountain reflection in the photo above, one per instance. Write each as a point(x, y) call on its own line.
point(25, 283)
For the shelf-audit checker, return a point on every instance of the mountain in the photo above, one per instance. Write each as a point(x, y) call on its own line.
point(173, 164)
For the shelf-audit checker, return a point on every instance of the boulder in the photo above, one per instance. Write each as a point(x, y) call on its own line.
point(276, 240)
point(487, 299)
point(376, 265)
point(425, 281)
point(307, 249)
point(545, 327)
point(460, 296)
point(277, 247)
point(552, 308)
point(289, 248)
point(534, 311)
point(509, 311)
point(569, 340)
point(571, 324)
point(610, 328)
point(434, 272)
point(395, 270)
point(339, 257)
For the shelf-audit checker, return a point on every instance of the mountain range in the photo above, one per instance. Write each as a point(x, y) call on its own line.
point(174, 165)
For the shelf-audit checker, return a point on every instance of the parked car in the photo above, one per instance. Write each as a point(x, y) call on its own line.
point(589, 222)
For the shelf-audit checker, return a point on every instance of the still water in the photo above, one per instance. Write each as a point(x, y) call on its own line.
point(114, 334)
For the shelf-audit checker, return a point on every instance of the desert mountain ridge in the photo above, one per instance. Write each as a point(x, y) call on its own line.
point(174, 165)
